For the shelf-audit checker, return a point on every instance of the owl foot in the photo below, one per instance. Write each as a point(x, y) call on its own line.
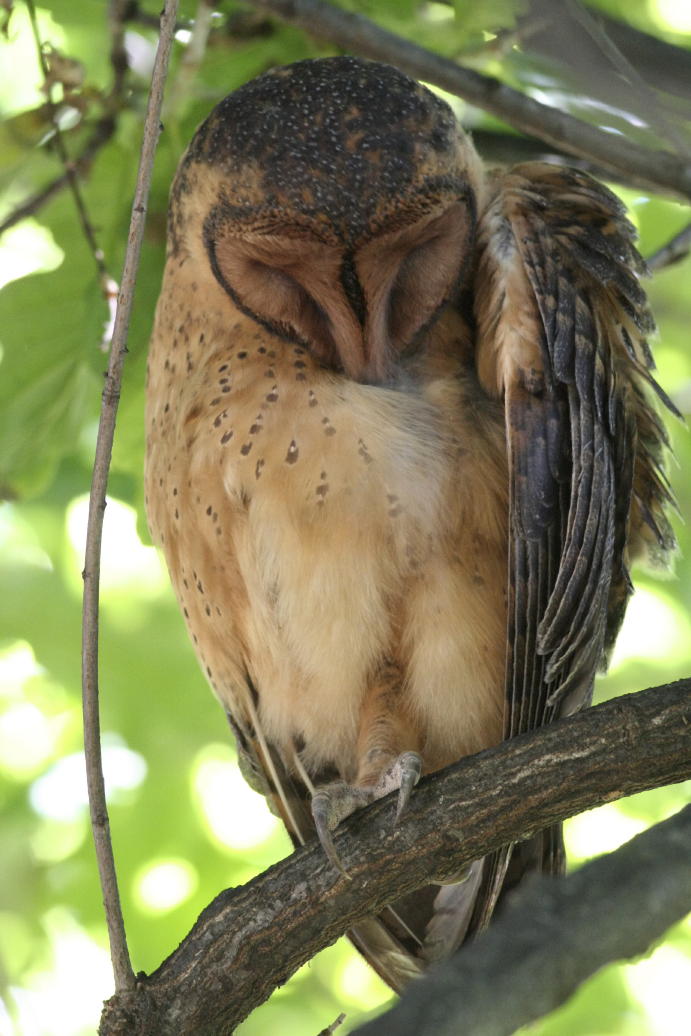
point(334, 802)
point(404, 775)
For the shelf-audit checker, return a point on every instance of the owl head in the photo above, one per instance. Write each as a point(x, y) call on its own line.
point(339, 204)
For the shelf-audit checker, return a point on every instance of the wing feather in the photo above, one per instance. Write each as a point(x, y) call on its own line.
point(562, 323)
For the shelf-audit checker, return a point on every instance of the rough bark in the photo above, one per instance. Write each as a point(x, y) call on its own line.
point(251, 939)
point(553, 935)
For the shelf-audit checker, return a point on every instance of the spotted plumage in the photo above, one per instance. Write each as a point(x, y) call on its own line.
point(401, 450)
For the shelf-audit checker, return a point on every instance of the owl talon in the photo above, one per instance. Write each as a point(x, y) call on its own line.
point(330, 805)
point(406, 773)
point(334, 802)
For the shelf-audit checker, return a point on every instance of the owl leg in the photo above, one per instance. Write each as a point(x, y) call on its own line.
point(387, 760)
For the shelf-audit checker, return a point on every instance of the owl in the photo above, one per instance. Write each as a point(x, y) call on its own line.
point(402, 449)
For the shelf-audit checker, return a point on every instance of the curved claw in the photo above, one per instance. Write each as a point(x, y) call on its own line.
point(410, 766)
point(321, 816)
point(331, 805)
point(334, 802)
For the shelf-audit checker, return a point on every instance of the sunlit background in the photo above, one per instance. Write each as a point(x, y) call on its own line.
point(185, 825)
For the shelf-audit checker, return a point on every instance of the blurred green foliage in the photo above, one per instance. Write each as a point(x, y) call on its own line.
point(184, 825)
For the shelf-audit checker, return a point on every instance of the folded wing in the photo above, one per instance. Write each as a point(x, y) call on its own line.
point(562, 338)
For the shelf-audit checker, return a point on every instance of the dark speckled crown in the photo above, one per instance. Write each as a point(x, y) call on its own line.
point(331, 139)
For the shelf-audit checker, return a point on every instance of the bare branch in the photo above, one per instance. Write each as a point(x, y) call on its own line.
point(642, 92)
point(124, 976)
point(117, 13)
point(673, 252)
point(70, 173)
point(659, 171)
point(150, 21)
point(336, 1024)
point(629, 897)
point(251, 939)
point(191, 59)
point(104, 130)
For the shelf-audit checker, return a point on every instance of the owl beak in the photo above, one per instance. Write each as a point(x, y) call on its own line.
point(364, 353)
point(362, 343)
point(350, 345)
point(378, 355)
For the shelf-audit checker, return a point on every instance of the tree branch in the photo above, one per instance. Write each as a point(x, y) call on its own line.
point(251, 939)
point(108, 286)
point(597, 64)
point(188, 69)
point(676, 249)
point(104, 127)
point(655, 170)
point(664, 65)
point(124, 976)
point(629, 897)
point(103, 131)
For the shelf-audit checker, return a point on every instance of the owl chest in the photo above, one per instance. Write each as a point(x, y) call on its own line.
point(332, 527)
point(326, 467)
point(359, 548)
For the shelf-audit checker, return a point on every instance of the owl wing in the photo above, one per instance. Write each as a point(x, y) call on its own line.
point(562, 326)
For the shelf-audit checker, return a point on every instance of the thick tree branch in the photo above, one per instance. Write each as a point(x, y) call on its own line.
point(251, 939)
point(664, 65)
point(655, 170)
point(594, 66)
point(629, 898)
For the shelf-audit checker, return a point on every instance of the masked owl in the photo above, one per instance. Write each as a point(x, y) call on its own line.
point(402, 449)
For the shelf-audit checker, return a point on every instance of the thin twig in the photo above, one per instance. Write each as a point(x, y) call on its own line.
point(103, 132)
point(122, 968)
point(336, 1024)
point(104, 128)
point(659, 171)
point(74, 168)
point(673, 252)
point(191, 59)
point(70, 172)
point(150, 21)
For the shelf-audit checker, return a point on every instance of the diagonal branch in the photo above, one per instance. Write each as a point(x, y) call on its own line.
point(547, 930)
point(103, 131)
point(124, 977)
point(672, 252)
point(60, 148)
point(654, 170)
point(251, 939)
point(104, 128)
point(193, 55)
point(665, 65)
